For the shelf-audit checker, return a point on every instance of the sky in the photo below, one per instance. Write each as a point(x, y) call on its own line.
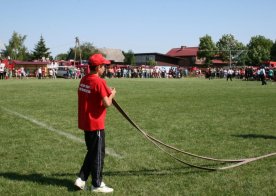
point(142, 26)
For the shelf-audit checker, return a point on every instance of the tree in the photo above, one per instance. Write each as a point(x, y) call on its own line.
point(40, 50)
point(259, 49)
point(151, 62)
point(129, 58)
point(84, 51)
point(229, 47)
point(61, 56)
point(273, 52)
point(207, 49)
point(16, 49)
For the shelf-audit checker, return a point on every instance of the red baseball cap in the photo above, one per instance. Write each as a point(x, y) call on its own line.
point(97, 59)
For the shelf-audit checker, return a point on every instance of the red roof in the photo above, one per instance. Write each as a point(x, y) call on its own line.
point(183, 52)
point(29, 62)
point(217, 61)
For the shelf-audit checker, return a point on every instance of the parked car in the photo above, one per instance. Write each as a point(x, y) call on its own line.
point(63, 71)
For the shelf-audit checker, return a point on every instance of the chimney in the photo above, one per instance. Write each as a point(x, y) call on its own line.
point(182, 47)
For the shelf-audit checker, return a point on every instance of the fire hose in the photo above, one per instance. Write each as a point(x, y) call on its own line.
point(162, 146)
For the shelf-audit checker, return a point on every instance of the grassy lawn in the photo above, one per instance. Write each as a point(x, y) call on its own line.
point(41, 148)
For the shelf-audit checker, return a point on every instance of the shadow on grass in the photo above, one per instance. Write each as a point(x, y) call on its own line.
point(253, 136)
point(46, 180)
point(147, 172)
point(40, 179)
point(154, 172)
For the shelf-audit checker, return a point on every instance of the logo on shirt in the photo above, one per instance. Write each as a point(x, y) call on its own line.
point(84, 88)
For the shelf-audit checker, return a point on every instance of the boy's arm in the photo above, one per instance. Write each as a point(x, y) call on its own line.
point(107, 100)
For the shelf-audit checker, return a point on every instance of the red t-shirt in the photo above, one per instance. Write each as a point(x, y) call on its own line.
point(91, 110)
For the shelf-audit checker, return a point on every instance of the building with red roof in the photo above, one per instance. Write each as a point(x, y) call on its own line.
point(31, 66)
point(190, 58)
point(183, 57)
point(188, 54)
point(159, 59)
point(183, 51)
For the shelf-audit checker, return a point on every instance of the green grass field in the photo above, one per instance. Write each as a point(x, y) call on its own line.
point(41, 148)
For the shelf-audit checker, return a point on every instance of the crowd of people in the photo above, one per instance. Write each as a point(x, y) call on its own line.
point(22, 73)
point(246, 73)
point(145, 72)
point(39, 73)
point(122, 71)
point(19, 73)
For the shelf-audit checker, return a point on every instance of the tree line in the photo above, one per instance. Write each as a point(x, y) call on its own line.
point(16, 50)
point(258, 50)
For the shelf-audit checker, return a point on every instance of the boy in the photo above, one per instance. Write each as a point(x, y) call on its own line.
point(94, 96)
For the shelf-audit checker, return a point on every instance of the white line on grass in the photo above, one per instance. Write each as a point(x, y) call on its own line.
point(68, 135)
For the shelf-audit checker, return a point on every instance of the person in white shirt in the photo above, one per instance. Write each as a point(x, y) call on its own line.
point(229, 74)
point(23, 73)
point(262, 75)
point(2, 69)
point(51, 73)
point(39, 73)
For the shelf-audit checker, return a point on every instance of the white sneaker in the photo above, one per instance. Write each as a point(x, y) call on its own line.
point(80, 184)
point(102, 189)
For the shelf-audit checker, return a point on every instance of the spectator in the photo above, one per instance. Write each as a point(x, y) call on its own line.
point(230, 74)
point(39, 71)
point(2, 68)
point(262, 75)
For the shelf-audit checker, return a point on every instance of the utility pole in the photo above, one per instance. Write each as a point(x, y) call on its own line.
point(77, 47)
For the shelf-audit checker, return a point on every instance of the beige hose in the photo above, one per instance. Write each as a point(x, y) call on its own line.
point(162, 146)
